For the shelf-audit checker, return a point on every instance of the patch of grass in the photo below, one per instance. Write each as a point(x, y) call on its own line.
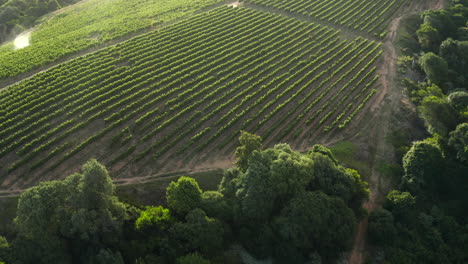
point(346, 153)
point(154, 193)
point(8, 207)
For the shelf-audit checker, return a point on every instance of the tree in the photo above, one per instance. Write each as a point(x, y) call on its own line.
point(316, 220)
point(459, 141)
point(317, 148)
point(271, 215)
point(153, 219)
point(459, 100)
point(74, 219)
point(184, 195)
point(423, 166)
point(214, 204)
point(400, 203)
point(441, 20)
point(38, 223)
point(248, 144)
point(428, 37)
point(456, 54)
point(439, 116)
point(382, 230)
point(198, 233)
point(273, 177)
point(435, 67)
point(335, 180)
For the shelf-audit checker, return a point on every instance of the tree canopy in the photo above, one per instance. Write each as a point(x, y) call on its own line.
point(183, 195)
point(78, 215)
point(290, 206)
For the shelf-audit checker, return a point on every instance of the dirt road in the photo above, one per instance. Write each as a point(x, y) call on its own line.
point(383, 150)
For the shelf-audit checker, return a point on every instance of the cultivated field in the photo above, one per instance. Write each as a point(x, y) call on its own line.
point(366, 16)
point(180, 95)
point(186, 90)
point(88, 24)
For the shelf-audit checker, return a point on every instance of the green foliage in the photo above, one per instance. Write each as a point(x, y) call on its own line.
point(317, 148)
point(439, 116)
point(4, 249)
point(314, 216)
point(23, 13)
point(459, 101)
point(459, 141)
point(455, 54)
point(288, 204)
point(117, 85)
point(184, 195)
point(441, 20)
point(57, 221)
point(248, 144)
point(423, 166)
point(158, 218)
point(76, 29)
point(273, 177)
point(419, 91)
point(428, 37)
point(193, 258)
point(198, 233)
point(335, 180)
point(382, 230)
point(215, 205)
point(401, 204)
point(435, 67)
point(429, 208)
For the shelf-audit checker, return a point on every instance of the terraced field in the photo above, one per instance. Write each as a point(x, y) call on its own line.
point(186, 90)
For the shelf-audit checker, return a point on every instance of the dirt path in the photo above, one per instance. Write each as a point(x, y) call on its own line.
point(219, 165)
point(378, 183)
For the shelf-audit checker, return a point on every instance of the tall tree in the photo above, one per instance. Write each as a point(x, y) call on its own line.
point(184, 195)
point(248, 144)
point(423, 166)
point(78, 218)
point(435, 67)
point(459, 141)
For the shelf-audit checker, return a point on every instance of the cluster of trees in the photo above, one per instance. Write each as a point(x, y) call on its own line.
point(276, 203)
point(16, 15)
point(424, 220)
point(440, 48)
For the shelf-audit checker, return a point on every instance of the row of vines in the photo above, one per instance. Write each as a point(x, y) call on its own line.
point(185, 91)
point(367, 16)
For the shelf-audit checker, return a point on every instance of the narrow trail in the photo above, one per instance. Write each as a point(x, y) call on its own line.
point(378, 183)
point(146, 178)
point(377, 140)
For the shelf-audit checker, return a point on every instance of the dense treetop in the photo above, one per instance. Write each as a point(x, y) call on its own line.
point(282, 205)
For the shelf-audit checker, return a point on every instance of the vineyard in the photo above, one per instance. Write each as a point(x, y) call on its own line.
point(88, 24)
point(182, 94)
point(366, 16)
